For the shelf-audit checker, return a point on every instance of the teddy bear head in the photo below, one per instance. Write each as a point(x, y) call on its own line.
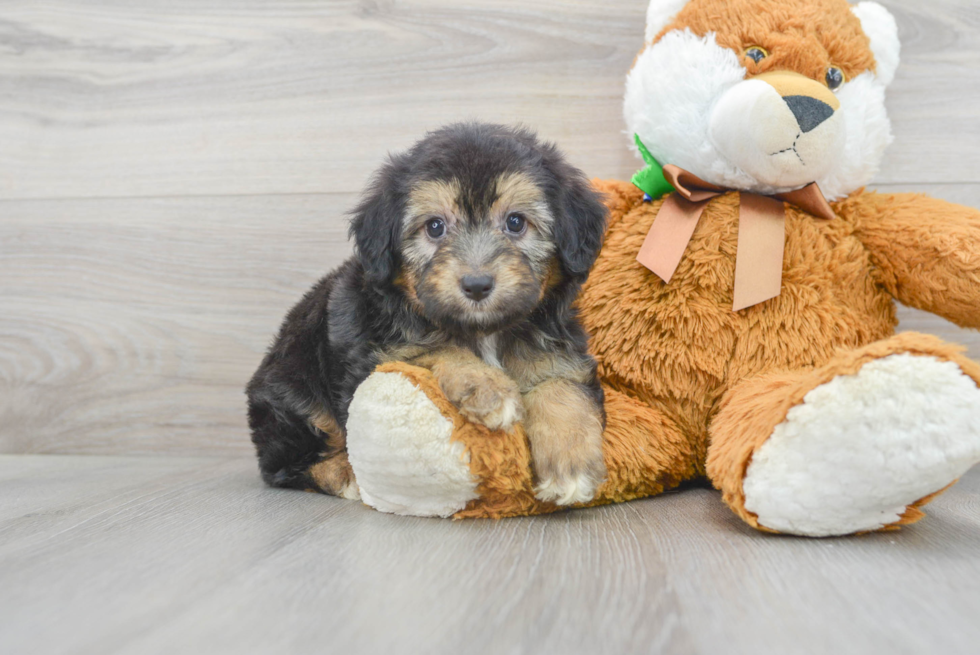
point(765, 95)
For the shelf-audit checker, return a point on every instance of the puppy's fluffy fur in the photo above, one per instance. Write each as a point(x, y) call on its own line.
point(470, 249)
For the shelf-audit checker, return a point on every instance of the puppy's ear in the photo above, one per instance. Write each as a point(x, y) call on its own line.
point(580, 223)
point(376, 225)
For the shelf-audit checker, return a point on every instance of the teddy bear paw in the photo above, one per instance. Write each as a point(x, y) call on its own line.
point(402, 453)
point(862, 449)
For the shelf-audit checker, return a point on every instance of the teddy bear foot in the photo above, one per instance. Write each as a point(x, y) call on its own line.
point(400, 447)
point(862, 451)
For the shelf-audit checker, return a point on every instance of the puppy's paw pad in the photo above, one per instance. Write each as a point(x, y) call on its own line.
point(351, 492)
point(508, 412)
point(569, 490)
point(489, 398)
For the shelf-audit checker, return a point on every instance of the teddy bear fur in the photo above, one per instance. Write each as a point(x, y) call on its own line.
point(744, 372)
point(695, 389)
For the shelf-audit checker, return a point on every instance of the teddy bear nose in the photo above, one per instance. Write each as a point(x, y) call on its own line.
point(476, 287)
point(809, 112)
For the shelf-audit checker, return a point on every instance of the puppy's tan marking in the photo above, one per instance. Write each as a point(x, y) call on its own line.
point(530, 367)
point(518, 192)
point(512, 276)
point(335, 476)
point(427, 200)
point(432, 198)
point(324, 421)
point(482, 393)
point(443, 278)
point(407, 280)
point(554, 276)
point(406, 353)
point(564, 428)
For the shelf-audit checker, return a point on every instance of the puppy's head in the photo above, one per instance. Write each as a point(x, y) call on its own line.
point(478, 225)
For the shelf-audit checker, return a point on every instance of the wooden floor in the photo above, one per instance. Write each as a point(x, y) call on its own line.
point(104, 555)
point(174, 174)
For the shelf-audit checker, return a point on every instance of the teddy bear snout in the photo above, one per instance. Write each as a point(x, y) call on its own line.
point(783, 129)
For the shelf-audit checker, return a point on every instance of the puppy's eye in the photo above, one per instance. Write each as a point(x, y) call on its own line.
point(515, 224)
point(756, 54)
point(435, 228)
point(835, 77)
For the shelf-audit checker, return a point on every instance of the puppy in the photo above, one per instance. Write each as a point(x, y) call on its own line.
point(470, 249)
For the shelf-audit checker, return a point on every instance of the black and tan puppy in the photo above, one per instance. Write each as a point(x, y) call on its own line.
point(470, 249)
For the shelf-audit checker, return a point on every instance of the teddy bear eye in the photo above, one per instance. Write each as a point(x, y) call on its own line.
point(835, 77)
point(756, 54)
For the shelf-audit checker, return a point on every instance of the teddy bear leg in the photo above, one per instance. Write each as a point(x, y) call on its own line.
point(401, 445)
point(645, 450)
point(413, 453)
point(854, 446)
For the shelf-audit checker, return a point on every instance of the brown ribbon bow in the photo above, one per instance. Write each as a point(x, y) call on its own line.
point(761, 232)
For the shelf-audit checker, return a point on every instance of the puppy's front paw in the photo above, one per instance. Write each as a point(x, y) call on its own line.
point(568, 477)
point(564, 426)
point(483, 395)
point(567, 490)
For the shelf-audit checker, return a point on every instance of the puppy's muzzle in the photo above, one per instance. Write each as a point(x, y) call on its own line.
point(476, 287)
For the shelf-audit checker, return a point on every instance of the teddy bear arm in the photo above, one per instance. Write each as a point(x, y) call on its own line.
point(414, 453)
point(926, 252)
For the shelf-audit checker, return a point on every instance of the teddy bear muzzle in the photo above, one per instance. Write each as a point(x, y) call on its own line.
point(782, 128)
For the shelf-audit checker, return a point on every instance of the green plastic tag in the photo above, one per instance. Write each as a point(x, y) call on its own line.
point(650, 180)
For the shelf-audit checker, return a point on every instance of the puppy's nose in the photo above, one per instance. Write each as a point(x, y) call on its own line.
point(476, 287)
point(809, 112)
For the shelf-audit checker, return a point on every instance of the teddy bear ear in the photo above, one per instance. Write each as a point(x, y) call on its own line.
point(659, 15)
point(880, 26)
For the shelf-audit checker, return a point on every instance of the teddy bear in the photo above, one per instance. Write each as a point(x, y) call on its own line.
point(742, 308)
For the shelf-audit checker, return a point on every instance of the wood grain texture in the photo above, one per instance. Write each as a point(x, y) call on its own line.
point(174, 175)
point(156, 97)
point(102, 555)
point(132, 325)
point(165, 97)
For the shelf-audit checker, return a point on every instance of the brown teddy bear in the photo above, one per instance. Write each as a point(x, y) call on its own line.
point(742, 307)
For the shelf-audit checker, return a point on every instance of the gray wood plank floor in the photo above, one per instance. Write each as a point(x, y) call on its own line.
point(103, 555)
